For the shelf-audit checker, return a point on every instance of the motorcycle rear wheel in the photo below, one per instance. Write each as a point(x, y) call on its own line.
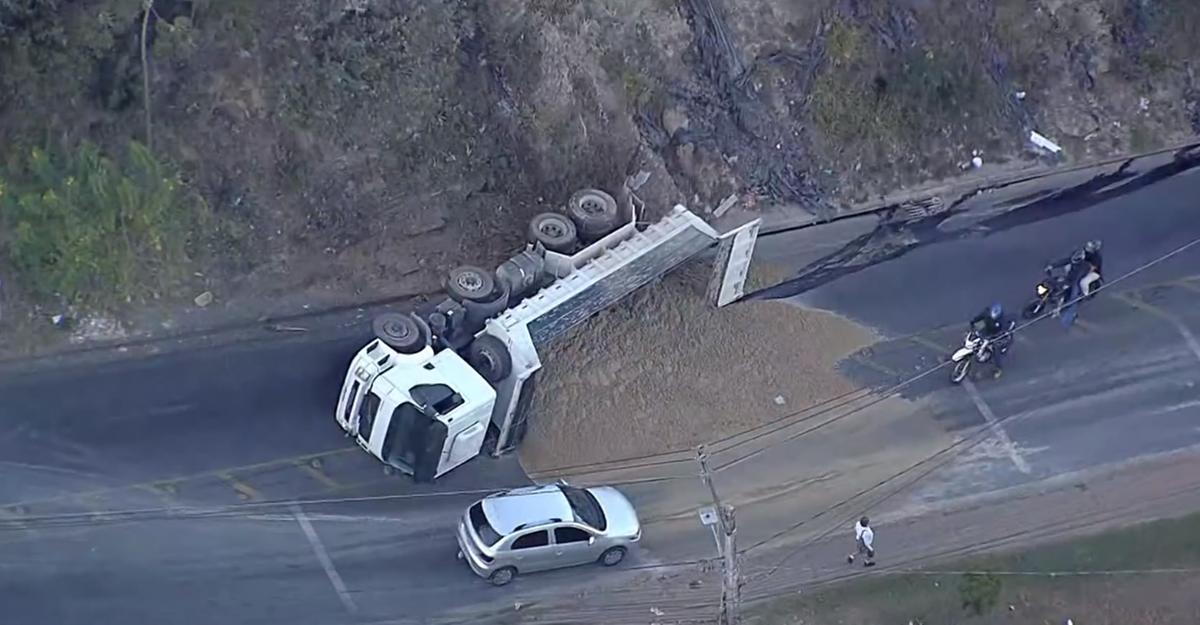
point(1033, 309)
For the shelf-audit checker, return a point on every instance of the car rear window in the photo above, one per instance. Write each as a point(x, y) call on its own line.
point(480, 524)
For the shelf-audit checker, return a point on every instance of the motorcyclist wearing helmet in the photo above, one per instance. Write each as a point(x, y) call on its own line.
point(1084, 267)
point(1094, 263)
point(991, 325)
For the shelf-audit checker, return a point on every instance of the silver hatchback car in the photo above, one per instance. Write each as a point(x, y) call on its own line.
point(538, 528)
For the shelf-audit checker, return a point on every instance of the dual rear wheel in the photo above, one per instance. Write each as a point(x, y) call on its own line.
point(590, 215)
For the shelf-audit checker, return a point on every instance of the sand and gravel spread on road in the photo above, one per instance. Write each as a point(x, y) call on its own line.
point(665, 370)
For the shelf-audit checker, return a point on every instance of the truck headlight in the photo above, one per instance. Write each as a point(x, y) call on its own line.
point(361, 373)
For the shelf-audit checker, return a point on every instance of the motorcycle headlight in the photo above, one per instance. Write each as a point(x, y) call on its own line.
point(1042, 289)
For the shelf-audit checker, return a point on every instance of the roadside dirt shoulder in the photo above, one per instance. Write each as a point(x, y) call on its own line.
point(1165, 487)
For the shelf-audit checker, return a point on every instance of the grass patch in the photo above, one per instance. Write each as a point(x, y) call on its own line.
point(881, 107)
point(96, 231)
point(1173, 25)
point(980, 590)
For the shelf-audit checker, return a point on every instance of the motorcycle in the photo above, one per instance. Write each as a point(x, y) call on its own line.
point(1054, 291)
point(978, 349)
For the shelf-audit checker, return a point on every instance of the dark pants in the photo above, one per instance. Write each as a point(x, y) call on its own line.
point(863, 549)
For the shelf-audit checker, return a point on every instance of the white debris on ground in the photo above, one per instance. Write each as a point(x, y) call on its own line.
point(97, 328)
point(665, 370)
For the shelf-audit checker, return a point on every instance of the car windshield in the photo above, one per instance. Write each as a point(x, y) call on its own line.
point(479, 523)
point(585, 506)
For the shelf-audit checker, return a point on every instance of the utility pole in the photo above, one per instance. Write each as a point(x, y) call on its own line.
point(731, 589)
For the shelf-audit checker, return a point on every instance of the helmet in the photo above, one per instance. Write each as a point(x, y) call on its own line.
point(1092, 246)
point(996, 311)
point(1077, 256)
point(864, 521)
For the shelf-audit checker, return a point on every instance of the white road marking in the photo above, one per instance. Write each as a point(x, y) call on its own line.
point(1006, 443)
point(1185, 331)
point(323, 557)
point(46, 468)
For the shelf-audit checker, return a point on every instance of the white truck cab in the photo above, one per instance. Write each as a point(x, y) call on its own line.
point(402, 409)
point(438, 387)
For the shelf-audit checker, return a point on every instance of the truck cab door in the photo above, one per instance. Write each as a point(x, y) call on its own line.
point(462, 446)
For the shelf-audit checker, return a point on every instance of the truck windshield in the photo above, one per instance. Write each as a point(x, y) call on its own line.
point(414, 441)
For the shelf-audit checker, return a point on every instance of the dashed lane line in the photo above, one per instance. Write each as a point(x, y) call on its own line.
point(1175, 320)
point(318, 548)
point(171, 485)
point(318, 475)
point(244, 490)
point(1010, 448)
point(1006, 443)
point(1187, 283)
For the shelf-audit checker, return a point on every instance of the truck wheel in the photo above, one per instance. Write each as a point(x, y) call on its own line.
point(400, 332)
point(555, 232)
point(490, 440)
point(470, 284)
point(500, 577)
point(490, 357)
point(594, 213)
point(612, 556)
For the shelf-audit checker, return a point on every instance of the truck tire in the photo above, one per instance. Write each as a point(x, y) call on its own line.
point(470, 284)
point(400, 332)
point(594, 213)
point(490, 357)
point(490, 440)
point(555, 232)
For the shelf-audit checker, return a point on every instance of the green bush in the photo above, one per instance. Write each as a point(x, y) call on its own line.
point(14, 13)
point(96, 231)
point(979, 592)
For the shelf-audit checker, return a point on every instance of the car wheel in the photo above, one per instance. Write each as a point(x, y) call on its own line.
point(500, 577)
point(612, 556)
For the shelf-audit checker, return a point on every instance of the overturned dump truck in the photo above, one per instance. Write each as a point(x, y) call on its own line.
point(440, 385)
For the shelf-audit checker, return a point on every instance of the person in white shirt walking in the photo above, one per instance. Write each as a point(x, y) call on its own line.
point(864, 540)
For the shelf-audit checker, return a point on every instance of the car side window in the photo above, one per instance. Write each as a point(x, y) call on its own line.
point(532, 539)
point(567, 535)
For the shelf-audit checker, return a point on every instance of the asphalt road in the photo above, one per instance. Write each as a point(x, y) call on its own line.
point(1123, 384)
point(203, 429)
point(251, 424)
point(900, 278)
